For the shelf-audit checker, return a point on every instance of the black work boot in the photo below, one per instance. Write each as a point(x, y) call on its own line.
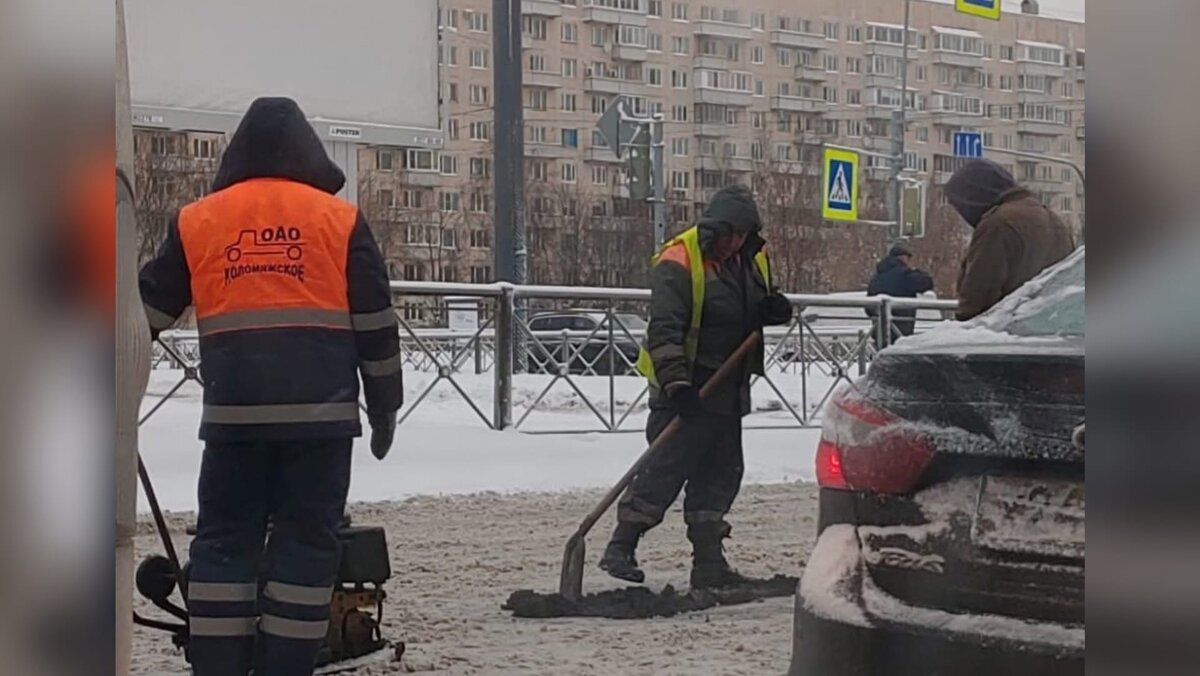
point(710, 570)
point(618, 560)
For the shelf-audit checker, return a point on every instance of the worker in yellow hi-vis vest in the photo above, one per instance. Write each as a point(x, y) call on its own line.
point(711, 289)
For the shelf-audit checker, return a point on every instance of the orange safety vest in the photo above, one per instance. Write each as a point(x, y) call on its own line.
point(268, 253)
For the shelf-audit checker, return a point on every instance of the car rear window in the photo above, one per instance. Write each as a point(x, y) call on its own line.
point(1049, 305)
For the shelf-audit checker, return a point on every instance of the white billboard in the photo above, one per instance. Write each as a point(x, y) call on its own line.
point(364, 71)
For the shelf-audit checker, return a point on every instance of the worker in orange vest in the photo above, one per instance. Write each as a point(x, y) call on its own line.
point(292, 306)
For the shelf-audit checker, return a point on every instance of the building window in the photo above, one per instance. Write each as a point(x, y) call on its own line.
point(450, 19)
point(570, 68)
point(569, 103)
point(452, 92)
point(853, 64)
point(569, 32)
point(449, 201)
point(387, 198)
point(654, 42)
point(479, 57)
point(680, 147)
point(476, 21)
point(420, 160)
point(679, 79)
point(679, 113)
point(599, 175)
point(570, 138)
point(449, 165)
point(1006, 53)
point(480, 239)
point(537, 63)
point(654, 8)
point(569, 172)
point(830, 94)
point(538, 170)
point(654, 76)
point(680, 180)
point(854, 128)
point(758, 21)
point(599, 36)
point(536, 99)
point(922, 134)
point(854, 97)
point(481, 202)
point(414, 272)
point(679, 46)
point(383, 160)
point(481, 167)
point(832, 30)
point(854, 33)
point(679, 11)
point(757, 54)
point(481, 274)
point(536, 27)
point(831, 63)
point(480, 131)
point(479, 95)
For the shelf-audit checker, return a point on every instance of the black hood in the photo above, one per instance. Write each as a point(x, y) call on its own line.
point(275, 140)
point(887, 263)
point(731, 210)
point(977, 187)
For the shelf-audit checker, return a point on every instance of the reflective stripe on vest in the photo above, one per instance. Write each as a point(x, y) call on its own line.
point(268, 253)
point(690, 239)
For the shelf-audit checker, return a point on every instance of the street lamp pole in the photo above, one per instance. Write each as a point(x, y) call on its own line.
point(899, 128)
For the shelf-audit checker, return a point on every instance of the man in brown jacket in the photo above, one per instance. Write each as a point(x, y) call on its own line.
point(1015, 238)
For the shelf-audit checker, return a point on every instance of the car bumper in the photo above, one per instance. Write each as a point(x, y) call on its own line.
point(845, 626)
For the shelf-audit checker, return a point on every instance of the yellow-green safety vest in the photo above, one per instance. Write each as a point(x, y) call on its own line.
point(690, 239)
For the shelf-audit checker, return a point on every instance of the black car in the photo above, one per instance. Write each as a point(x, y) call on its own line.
point(580, 341)
point(951, 527)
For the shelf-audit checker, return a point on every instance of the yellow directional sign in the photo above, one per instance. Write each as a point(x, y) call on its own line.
point(988, 9)
point(840, 187)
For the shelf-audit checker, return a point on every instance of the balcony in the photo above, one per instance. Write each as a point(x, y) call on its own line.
point(811, 72)
point(1044, 185)
point(958, 59)
point(1040, 128)
point(880, 80)
point(537, 79)
point(720, 29)
point(714, 129)
point(877, 111)
point(1039, 68)
point(877, 173)
point(888, 49)
point(1079, 133)
point(608, 15)
point(601, 154)
point(719, 163)
point(629, 53)
point(548, 8)
point(423, 179)
point(713, 62)
point(798, 104)
point(942, 177)
point(1080, 74)
point(797, 40)
point(549, 151)
point(954, 118)
point(724, 97)
point(604, 85)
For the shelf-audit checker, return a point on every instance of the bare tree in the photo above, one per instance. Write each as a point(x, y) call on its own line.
point(167, 176)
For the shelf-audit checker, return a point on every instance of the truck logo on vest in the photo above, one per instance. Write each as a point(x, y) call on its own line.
point(280, 242)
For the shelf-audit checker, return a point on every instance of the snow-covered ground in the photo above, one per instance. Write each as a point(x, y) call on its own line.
point(444, 448)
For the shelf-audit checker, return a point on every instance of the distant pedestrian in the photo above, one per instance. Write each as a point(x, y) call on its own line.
point(1015, 238)
point(896, 276)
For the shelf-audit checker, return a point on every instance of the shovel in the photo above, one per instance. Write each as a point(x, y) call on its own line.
point(570, 584)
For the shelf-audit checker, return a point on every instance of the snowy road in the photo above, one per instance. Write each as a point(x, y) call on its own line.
point(444, 449)
point(455, 559)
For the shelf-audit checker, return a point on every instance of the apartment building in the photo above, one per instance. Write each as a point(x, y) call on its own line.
point(748, 91)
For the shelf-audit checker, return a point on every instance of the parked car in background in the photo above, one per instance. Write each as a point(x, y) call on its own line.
point(951, 527)
point(579, 339)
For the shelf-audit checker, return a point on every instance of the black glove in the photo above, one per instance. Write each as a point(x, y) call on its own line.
point(775, 310)
point(383, 431)
point(685, 401)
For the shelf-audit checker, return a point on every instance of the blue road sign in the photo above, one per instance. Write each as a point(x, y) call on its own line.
point(841, 185)
point(968, 144)
point(988, 9)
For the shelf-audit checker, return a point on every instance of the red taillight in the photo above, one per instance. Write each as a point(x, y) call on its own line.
point(829, 466)
point(865, 448)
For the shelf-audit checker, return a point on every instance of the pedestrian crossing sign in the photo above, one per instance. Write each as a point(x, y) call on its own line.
point(840, 185)
point(988, 9)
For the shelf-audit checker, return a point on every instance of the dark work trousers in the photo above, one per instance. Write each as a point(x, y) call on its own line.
point(705, 455)
point(275, 622)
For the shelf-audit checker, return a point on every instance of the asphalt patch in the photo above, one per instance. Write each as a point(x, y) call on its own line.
point(632, 603)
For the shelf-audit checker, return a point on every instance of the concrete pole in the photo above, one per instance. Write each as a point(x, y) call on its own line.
point(132, 349)
point(658, 169)
point(509, 142)
point(899, 128)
